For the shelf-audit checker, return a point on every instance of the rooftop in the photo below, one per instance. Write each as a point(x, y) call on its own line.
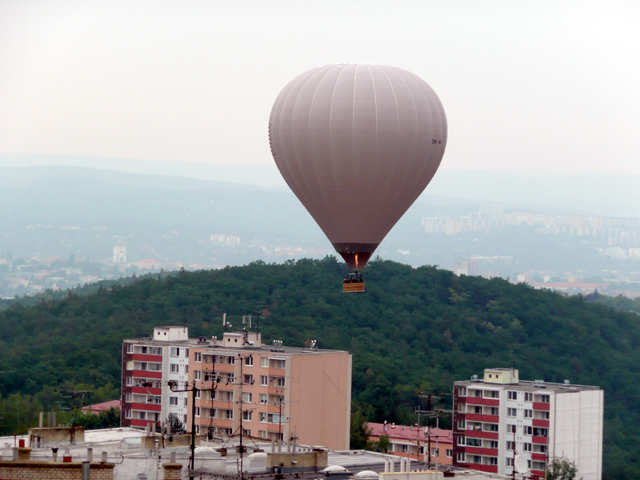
point(410, 433)
point(530, 386)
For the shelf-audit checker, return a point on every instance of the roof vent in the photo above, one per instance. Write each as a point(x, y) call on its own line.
point(474, 377)
point(567, 381)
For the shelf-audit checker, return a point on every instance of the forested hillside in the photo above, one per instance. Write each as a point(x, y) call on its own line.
point(414, 329)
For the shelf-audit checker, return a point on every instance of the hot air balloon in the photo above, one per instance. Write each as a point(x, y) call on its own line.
point(357, 144)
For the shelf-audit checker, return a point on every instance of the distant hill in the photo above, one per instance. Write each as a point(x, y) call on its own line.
point(414, 329)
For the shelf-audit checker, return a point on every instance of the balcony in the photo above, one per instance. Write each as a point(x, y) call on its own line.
point(482, 418)
point(218, 367)
point(492, 452)
point(542, 457)
point(541, 406)
point(149, 407)
point(494, 402)
point(481, 434)
point(147, 390)
point(540, 423)
point(542, 440)
point(140, 423)
point(478, 466)
point(143, 357)
point(146, 374)
point(537, 473)
point(275, 390)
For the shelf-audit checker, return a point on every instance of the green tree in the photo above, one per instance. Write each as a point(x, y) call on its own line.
point(383, 444)
point(359, 431)
point(561, 469)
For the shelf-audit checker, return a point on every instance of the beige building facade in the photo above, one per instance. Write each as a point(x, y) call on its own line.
point(273, 391)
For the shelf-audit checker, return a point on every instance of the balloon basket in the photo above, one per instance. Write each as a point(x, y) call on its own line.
point(353, 283)
point(353, 287)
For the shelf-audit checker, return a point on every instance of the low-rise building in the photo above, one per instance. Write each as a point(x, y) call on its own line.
point(414, 442)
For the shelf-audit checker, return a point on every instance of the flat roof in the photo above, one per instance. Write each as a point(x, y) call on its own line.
point(530, 386)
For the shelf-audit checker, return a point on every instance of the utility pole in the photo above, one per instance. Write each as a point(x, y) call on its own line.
point(430, 412)
point(193, 389)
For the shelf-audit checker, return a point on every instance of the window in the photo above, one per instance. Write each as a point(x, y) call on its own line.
point(197, 411)
point(462, 391)
point(540, 432)
point(175, 351)
point(129, 381)
point(173, 400)
point(174, 368)
point(461, 440)
point(490, 427)
point(526, 447)
point(449, 452)
point(129, 347)
point(528, 413)
point(512, 412)
point(155, 350)
point(511, 429)
point(460, 457)
point(247, 397)
point(185, 401)
point(474, 442)
point(228, 414)
point(212, 413)
point(493, 444)
point(264, 362)
point(528, 396)
point(246, 415)
point(197, 356)
point(510, 445)
point(509, 462)
point(512, 395)
point(435, 452)
point(186, 369)
point(492, 461)
point(527, 429)
point(263, 399)
point(263, 417)
point(197, 374)
point(248, 380)
point(263, 434)
point(461, 424)
point(248, 361)
point(264, 380)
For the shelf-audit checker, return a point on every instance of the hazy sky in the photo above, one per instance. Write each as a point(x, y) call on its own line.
point(550, 85)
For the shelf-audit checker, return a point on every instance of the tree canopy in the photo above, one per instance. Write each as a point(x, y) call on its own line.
point(413, 330)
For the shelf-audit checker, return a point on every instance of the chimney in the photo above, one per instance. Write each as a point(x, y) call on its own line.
point(172, 471)
point(24, 453)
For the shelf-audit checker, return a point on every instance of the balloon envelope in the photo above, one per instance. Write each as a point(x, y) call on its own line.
point(357, 144)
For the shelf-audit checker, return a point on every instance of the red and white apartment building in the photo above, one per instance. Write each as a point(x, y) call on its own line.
point(502, 423)
point(148, 364)
point(413, 441)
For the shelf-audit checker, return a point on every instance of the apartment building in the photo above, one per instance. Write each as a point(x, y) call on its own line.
point(502, 423)
point(273, 391)
point(414, 441)
point(148, 364)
